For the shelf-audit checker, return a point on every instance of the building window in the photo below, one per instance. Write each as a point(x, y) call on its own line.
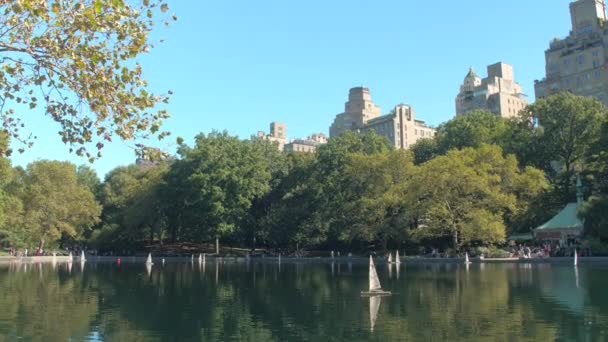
point(595, 53)
point(596, 63)
point(580, 59)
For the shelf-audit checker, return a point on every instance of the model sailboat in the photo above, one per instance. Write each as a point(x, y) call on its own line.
point(390, 258)
point(397, 259)
point(575, 258)
point(466, 258)
point(374, 283)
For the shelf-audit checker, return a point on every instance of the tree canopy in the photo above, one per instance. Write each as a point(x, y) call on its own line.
point(77, 60)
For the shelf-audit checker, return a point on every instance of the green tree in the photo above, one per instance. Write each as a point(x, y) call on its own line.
point(467, 195)
point(596, 208)
point(12, 232)
point(77, 59)
point(55, 204)
point(379, 182)
point(219, 179)
point(470, 130)
point(87, 176)
point(329, 188)
point(424, 150)
point(567, 127)
point(135, 207)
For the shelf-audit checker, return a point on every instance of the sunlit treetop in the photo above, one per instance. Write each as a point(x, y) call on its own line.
point(77, 59)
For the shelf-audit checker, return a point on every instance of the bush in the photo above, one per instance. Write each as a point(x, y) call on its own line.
point(598, 247)
point(491, 252)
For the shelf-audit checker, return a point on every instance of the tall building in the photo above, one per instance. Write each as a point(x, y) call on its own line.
point(578, 63)
point(497, 93)
point(400, 127)
point(357, 111)
point(278, 134)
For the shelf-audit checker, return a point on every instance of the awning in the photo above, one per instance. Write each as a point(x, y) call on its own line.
point(566, 222)
point(521, 237)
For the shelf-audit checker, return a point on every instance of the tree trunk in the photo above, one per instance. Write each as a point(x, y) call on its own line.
point(455, 239)
point(217, 246)
point(41, 245)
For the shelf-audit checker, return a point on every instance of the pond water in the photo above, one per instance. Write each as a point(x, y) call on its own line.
point(262, 301)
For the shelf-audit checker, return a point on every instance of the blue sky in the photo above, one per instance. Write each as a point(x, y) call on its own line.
point(240, 64)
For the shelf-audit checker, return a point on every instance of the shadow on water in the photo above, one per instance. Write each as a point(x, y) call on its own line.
point(218, 300)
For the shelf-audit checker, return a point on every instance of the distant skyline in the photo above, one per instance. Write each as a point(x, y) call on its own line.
point(238, 65)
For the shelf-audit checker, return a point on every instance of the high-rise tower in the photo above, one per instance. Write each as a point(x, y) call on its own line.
point(497, 93)
point(578, 63)
point(357, 111)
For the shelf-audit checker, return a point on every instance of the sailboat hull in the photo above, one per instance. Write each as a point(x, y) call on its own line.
point(375, 293)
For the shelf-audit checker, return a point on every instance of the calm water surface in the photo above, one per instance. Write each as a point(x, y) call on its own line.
point(231, 301)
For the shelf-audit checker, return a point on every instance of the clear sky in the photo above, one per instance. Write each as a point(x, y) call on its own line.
point(240, 64)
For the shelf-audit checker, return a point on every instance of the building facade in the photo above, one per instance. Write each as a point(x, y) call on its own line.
point(497, 93)
point(357, 111)
point(400, 127)
point(308, 145)
point(301, 145)
point(578, 63)
point(278, 134)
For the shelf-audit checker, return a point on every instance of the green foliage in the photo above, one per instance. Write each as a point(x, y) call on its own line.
point(470, 130)
point(134, 205)
point(378, 183)
point(424, 150)
point(569, 126)
point(215, 183)
point(467, 195)
point(87, 176)
point(596, 208)
point(55, 204)
point(77, 60)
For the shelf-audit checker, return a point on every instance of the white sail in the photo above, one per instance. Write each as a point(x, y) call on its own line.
point(200, 258)
point(466, 258)
point(374, 307)
point(575, 258)
point(397, 259)
point(149, 260)
point(82, 258)
point(374, 282)
point(390, 258)
point(70, 257)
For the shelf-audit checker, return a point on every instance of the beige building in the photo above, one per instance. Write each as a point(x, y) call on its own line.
point(278, 134)
point(400, 127)
point(578, 62)
point(301, 145)
point(497, 93)
point(357, 111)
point(308, 145)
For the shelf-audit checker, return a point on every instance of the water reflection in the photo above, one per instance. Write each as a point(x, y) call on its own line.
point(303, 302)
point(374, 307)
